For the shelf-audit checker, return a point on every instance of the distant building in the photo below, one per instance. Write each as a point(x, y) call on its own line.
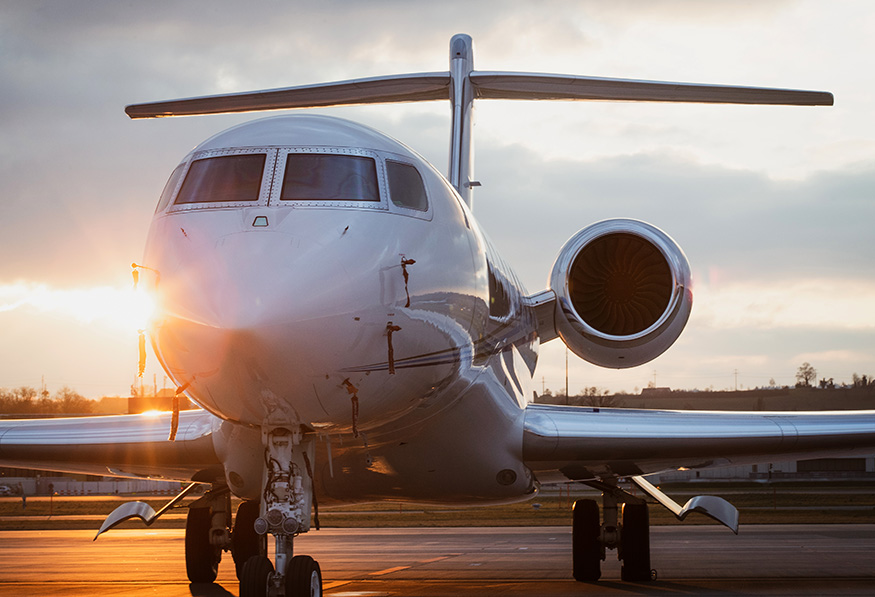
point(163, 400)
point(651, 392)
point(824, 469)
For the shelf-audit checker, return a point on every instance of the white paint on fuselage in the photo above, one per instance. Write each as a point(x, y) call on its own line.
point(286, 323)
point(303, 305)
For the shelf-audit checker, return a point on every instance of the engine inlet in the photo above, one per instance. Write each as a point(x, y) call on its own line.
point(620, 284)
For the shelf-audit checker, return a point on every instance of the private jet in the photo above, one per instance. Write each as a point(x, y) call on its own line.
point(330, 302)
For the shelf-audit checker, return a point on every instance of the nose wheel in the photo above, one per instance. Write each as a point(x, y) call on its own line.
point(303, 578)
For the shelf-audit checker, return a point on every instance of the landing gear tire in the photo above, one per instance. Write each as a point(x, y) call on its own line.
point(303, 578)
point(635, 543)
point(201, 558)
point(255, 576)
point(245, 542)
point(586, 552)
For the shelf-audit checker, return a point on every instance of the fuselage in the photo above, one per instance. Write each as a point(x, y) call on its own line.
point(311, 271)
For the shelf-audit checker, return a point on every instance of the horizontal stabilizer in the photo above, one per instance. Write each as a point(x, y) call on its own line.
point(709, 505)
point(414, 87)
point(537, 86)
point(418, 87)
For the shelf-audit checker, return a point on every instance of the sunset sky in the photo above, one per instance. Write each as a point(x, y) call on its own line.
point(774, 206)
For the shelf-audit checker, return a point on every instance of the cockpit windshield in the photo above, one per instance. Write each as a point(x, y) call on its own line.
point(323, 177)
point(327, 177)
point(223, 178)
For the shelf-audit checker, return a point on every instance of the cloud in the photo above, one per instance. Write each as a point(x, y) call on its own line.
point(826, 305)
point(761, 198)
point(741, 223)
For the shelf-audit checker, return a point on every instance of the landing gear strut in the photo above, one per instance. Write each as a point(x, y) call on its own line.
point(631, 539)
point(284, 513)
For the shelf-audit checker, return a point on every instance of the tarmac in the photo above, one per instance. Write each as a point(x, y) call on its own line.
point(689, 560)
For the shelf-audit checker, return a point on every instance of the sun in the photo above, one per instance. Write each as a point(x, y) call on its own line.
point(119, 308)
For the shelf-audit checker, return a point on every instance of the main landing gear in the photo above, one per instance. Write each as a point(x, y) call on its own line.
point(631, 538)
point(208, 533)
point(283, 511)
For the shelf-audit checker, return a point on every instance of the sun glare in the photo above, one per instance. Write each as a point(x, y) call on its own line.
point(116, 307)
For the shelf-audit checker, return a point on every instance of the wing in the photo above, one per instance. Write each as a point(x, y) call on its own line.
point(122, 446)
point(581, 443)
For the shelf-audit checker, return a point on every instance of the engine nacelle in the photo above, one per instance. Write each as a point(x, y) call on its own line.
point(623, 293)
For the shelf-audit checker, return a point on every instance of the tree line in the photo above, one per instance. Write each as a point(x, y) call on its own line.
point(806, 377)
point(27, 400)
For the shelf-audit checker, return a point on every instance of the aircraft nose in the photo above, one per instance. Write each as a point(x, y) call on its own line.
point(251, 323)
point(251, 280)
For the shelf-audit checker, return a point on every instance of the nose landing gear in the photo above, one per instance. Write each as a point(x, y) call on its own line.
point(284, 513)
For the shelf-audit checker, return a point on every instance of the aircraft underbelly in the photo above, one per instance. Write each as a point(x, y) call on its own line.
point(469, 453)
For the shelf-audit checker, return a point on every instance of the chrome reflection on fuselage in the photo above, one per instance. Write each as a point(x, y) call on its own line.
point(276, 304)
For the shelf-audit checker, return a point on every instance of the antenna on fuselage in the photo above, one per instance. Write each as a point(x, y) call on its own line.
point(462, 85)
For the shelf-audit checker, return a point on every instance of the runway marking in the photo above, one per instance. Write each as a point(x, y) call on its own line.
point(438, 559)
point(419, 563)
point(388, 570)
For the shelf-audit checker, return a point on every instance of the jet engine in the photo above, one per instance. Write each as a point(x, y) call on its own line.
point(623, 293)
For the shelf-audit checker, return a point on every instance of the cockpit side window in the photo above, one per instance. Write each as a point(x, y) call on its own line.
point(405, 186)
point(223, 178)
point(328, 177)
point(499, 296)
point(167, 193)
